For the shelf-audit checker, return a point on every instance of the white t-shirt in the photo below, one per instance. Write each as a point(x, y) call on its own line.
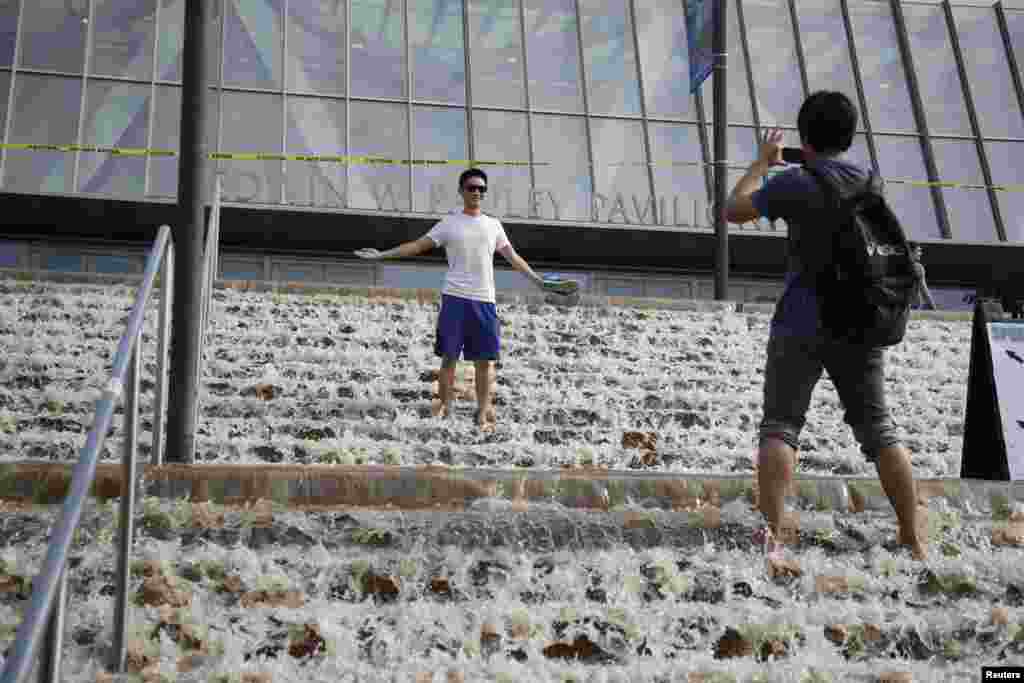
point(470, 243)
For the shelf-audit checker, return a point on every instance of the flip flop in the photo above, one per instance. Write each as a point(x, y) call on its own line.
point(563, 287)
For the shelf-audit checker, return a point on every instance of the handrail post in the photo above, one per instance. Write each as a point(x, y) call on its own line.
point(163, 345)
point(210, 258)
point(49, 671)
point(47, 584)
point(131, 422)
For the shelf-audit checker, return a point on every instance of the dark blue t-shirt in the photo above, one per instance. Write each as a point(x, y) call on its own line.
point(797, 198)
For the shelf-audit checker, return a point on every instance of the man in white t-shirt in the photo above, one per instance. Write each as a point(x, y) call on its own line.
point(468, 323)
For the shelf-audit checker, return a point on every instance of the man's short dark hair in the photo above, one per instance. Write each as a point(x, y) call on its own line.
point(827, 122)
point(471, 173)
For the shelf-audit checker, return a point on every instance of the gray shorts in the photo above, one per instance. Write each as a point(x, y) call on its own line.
point(794, 367)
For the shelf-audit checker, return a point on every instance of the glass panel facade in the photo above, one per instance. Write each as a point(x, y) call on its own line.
point(970, 214)
point(495, 39)
point(665, 58)
point(436, 50)
point(163, 170)
point(881, 65)
point(437, 134)
point(557, 84)
point(1004, 159)
point(609, 56)
point(45, 110)
point(377, 49)
point(315, 126)
point(502, 136)
point(553, 55)
point(1015, 26)
point(826, 50)
point(679, 188)
point(5, 90)
point(116, 115)
point(900, 158)
point(375, 186)
point(8, 30)
point(122, 38)
point(988, 72)
point(738, 104)
point(253, 43)
point(252, 123)
point(316, 41)
point(622, 193)
point(563, 166)
point(53, 35)
point(937, 74)
point(776, 79)
point(171, 37)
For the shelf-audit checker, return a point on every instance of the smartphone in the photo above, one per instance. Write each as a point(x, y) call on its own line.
point(792, 155)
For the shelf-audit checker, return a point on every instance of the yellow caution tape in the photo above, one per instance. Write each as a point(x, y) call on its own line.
point(367, 160)
point(115, 151)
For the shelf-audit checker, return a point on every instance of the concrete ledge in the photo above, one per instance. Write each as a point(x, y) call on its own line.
point(425, 296)
point(432, 487)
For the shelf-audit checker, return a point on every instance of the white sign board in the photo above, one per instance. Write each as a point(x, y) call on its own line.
point(1007, 343)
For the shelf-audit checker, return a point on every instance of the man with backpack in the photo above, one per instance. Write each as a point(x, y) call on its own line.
point(851, 279)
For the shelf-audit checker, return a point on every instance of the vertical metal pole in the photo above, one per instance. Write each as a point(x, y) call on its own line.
point(10, 93)
point(721, 128)
point(801, 59)
point(645, 125)
point(86, 67)
point(972, 115)
point(54, 642)
point(163, 345)
point(859, 84)
point(188, 237)
point(755, 112)
point(1011, 58)
point(585, 88)
point(526, 97)
point(921, 118)
point(151, 114)
point(127, 508)
point(410, 178)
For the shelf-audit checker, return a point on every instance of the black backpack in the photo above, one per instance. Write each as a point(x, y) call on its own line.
point(866, 291)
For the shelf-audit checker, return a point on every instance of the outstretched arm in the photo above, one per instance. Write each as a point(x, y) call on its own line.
point(520, 264)
point(405, 250)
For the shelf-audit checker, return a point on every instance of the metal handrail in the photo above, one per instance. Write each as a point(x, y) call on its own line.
point(210, 265)
point(46, 606)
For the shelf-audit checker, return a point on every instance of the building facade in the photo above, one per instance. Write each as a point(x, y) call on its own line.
point(580, 111)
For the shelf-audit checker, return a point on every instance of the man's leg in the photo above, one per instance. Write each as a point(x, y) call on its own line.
point(776, 462)
point(448, 346)
point(859, 377)
point(791, 371)
point(485, 412)
point(446, 386)
point(897, 476)
point(483, 346)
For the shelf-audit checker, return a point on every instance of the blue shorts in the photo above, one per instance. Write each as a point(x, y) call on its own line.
point(469, 328)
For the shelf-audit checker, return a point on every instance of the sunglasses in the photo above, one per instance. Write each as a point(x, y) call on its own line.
point(482, 189)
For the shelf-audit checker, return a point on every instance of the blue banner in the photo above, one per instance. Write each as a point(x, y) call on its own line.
point(700, 38)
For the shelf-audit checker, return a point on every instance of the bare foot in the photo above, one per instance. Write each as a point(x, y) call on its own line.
point(438, 409)
point(486, 420)
point(918, 550)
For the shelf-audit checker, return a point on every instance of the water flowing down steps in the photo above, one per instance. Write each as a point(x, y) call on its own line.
point(346, 376)
point(332, 531)
point(498, 588)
